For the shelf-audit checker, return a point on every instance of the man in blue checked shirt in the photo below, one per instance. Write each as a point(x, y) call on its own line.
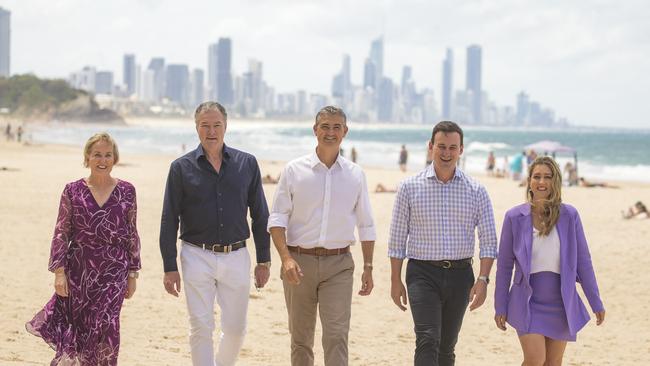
point(435, 216)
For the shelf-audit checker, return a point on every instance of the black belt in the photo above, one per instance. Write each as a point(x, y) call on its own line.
point(451, 264)
point(220, 248)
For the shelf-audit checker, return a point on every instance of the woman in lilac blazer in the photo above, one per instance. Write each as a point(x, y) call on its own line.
point(543, 240)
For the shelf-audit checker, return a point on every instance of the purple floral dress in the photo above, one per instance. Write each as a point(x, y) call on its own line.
point(97, 246)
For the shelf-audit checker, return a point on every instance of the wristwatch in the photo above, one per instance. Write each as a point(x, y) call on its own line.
point(367, 265)
point(134, 275)
point(265, 264)
point(485, 279)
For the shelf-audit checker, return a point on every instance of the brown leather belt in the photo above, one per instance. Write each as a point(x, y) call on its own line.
point(220, 248)
point(319, 251)
point(452, 264)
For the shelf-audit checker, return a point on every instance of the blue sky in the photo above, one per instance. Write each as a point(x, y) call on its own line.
point(587, 60)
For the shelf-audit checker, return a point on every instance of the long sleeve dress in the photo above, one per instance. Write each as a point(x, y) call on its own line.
point(97, 246)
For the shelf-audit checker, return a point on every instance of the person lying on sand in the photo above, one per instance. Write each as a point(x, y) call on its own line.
point(637, 211)
point(588, 184)
point(382, 189)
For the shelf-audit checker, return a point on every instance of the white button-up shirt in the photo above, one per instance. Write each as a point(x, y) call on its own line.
point(320, 207)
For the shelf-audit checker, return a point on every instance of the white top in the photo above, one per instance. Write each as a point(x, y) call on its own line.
point(546, 252)
point(320, 207)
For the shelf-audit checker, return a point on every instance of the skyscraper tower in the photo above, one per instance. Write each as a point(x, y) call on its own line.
point(5, 43)
point(220, 71)
point(129, 73)
point(447, 83)
point(473, 81)
point(157, 67)
point(377, 58)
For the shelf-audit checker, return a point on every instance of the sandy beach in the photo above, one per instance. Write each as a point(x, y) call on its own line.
point(154, 325)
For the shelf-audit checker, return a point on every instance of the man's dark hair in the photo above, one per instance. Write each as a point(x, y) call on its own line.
point(331, 111)
point(447, 127)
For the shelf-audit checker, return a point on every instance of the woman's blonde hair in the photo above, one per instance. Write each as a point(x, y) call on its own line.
point(102, 136)
point(551, 205)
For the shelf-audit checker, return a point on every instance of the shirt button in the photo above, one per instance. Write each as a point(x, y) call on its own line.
point(221, 225)
point(220, 208)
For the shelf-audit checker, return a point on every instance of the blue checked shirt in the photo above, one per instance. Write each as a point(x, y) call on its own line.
point(433, 220)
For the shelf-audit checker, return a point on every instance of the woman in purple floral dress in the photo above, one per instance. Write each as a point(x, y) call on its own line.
point(95, 257)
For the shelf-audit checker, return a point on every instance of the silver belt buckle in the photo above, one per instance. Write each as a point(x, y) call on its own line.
point(227, 248)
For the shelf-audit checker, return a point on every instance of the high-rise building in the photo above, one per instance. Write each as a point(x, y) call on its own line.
point(104, 82)
point(156, 89)
point(369, 74)
point(178, 84)
point(255, 84)
point(377, 57)
point(523, 106)
point(447, 83)
point(220, 83)
point(197, 87)
point(129, 73)
point(385, 100)
point(473, 81)
point(5, 43)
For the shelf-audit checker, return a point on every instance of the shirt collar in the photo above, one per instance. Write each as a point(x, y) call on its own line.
point(314, 160)
point(200, 152)
point(431, 173)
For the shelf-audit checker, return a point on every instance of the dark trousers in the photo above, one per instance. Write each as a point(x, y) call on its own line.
point(438, 299)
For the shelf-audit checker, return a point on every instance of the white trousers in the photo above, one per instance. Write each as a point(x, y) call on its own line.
point(226, 277)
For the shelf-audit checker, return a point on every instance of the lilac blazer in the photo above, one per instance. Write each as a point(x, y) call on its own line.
point(515, 250)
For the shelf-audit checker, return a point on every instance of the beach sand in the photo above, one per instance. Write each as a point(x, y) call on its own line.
point(154, 325)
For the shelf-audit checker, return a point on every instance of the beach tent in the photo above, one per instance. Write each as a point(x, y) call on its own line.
point(553, 147)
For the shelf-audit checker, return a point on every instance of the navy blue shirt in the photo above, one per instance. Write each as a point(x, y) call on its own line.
point(211, 207)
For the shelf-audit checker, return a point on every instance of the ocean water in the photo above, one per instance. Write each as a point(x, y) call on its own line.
point(603, 155)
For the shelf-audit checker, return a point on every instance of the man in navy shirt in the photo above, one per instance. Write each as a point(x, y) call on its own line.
point(208, 192)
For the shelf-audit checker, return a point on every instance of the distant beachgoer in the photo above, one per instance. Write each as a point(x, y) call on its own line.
point(588, 184)
point(8, 132)
point(638, 210)
point(403, 158)
point(504, 172)
point(517, 166)
point(380, 188)
point(183, 147)
point(530, 157)
point(429, 155)
point(571, 174)
point(491, 162)
point(268, 179)
point(19, 133)
point(353, 154)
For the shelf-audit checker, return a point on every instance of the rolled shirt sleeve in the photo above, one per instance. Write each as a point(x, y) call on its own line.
point(282, 203)
point(399, 225)
point(363, 211)
point(487, 235)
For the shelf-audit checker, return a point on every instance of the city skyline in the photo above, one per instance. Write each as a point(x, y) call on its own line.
point(591, 71)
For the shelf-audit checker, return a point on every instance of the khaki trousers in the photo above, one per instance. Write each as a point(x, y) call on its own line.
point(326, 285)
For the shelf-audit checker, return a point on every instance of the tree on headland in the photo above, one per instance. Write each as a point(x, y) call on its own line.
point(27, 96)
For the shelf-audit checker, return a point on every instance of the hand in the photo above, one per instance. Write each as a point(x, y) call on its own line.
point(398, 293)
point(291, 270)
point(600, 317)
point(262, 274)
point(172, 282)
point(61, 284)
point(366, 282)
point(501, 321)
point(477, 294)
point(130, 287)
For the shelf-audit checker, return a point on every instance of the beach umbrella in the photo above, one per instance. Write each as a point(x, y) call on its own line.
point(554, 147)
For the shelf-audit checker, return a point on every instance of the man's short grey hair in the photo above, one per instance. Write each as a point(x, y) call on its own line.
point(330, 110)
point(210, 106)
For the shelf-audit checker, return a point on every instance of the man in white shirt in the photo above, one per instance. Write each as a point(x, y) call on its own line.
point(319, 200)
